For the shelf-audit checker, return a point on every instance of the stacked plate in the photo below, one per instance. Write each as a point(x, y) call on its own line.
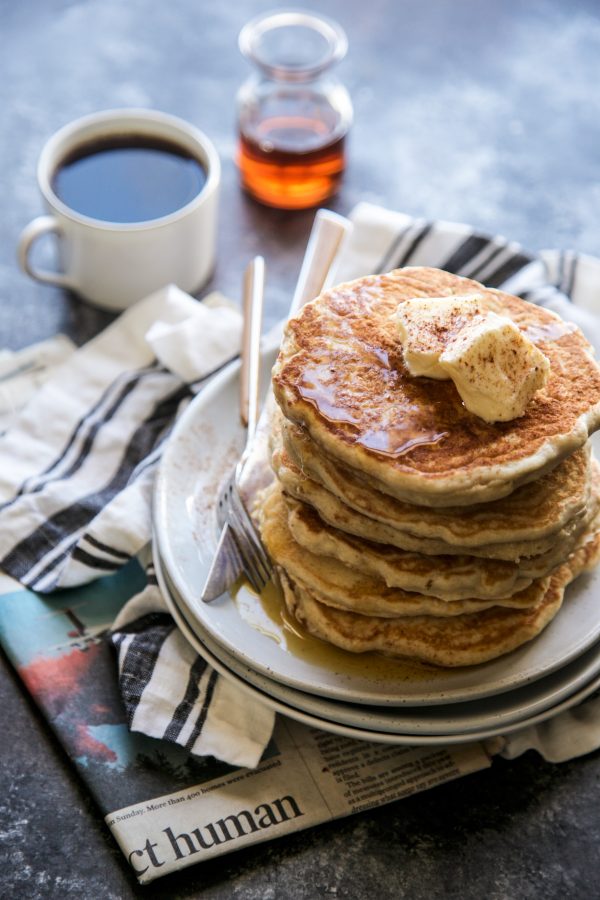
point(246, 639)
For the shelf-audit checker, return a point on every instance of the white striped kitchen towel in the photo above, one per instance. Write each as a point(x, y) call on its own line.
point(563, 281)
point(170, 692)
point(76, 473)
point(77, 466)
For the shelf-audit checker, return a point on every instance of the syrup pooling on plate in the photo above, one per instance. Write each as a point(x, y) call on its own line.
point(267, 614)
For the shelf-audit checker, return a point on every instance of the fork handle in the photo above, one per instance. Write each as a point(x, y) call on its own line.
point(254, 284)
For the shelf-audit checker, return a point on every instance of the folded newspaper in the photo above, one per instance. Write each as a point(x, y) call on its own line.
point(166, 808)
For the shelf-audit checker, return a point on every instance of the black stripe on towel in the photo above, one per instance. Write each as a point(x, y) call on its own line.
point(386, 261)
point(416, 242)
point(140, 661)
point(196, 731)
point(508, 268)
point(561, 269)
point(568, 280)
point(468, 250)
point(495, 250)
point(144, 623)
point(151, 576)
point(112, 551)
point(86, 429)
point(185, 707)
point(95, 562)
point(33, 548)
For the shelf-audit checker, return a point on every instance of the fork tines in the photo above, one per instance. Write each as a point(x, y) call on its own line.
point(257, 565)
point(252, 556)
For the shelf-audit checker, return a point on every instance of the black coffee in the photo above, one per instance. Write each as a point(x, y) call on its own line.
point(128, 179)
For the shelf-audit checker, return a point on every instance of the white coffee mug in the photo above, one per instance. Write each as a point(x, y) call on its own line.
point(113, 264)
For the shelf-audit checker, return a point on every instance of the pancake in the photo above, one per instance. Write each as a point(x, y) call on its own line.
point(344, 587)
point(535, 510)
point(335, 513)
point(446, 577)
point(341, 375)
point(458, 641)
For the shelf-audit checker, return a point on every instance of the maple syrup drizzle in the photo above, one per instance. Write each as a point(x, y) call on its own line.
point(397, 428)
point(551, 331)
point(267, 614)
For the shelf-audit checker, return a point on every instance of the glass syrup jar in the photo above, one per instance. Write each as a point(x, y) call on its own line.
point(293, 115)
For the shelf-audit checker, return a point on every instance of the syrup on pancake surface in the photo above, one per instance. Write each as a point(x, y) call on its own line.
point(341, 375)
point(400, 521)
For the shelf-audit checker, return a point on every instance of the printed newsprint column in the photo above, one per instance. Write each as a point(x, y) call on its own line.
point(356, 775)
point(310, 777)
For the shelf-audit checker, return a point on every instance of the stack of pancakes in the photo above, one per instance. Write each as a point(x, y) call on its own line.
point(398, 521)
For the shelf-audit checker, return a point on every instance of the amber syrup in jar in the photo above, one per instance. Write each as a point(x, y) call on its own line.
point(293, 117)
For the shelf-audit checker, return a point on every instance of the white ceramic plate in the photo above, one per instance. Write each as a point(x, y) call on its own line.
point(371, 734)
point(204, 445)
point(499, 711)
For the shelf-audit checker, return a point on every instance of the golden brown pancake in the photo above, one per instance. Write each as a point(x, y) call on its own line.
point(446, 577)
point(535, 510)
point(341, 375)
point(435, 586)
point(545, 552)
point(401, 523)
point(458, 641)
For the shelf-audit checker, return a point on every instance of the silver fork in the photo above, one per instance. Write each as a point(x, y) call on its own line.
point(240, 549)
point(252, 558)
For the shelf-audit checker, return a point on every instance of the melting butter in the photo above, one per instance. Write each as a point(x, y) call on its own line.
point(495, 368)
point(427, 324)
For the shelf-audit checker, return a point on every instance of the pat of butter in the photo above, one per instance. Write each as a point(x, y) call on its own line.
point(495, 368)
point(427, 324)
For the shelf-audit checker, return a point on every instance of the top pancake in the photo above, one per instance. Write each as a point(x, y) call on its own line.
point(341, 374)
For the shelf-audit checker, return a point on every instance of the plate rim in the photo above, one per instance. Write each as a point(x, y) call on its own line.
point(227, 379)
point(393, 738)
point(556, 696)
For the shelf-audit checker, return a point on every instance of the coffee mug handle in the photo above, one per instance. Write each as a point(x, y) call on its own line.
point(38, 227)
